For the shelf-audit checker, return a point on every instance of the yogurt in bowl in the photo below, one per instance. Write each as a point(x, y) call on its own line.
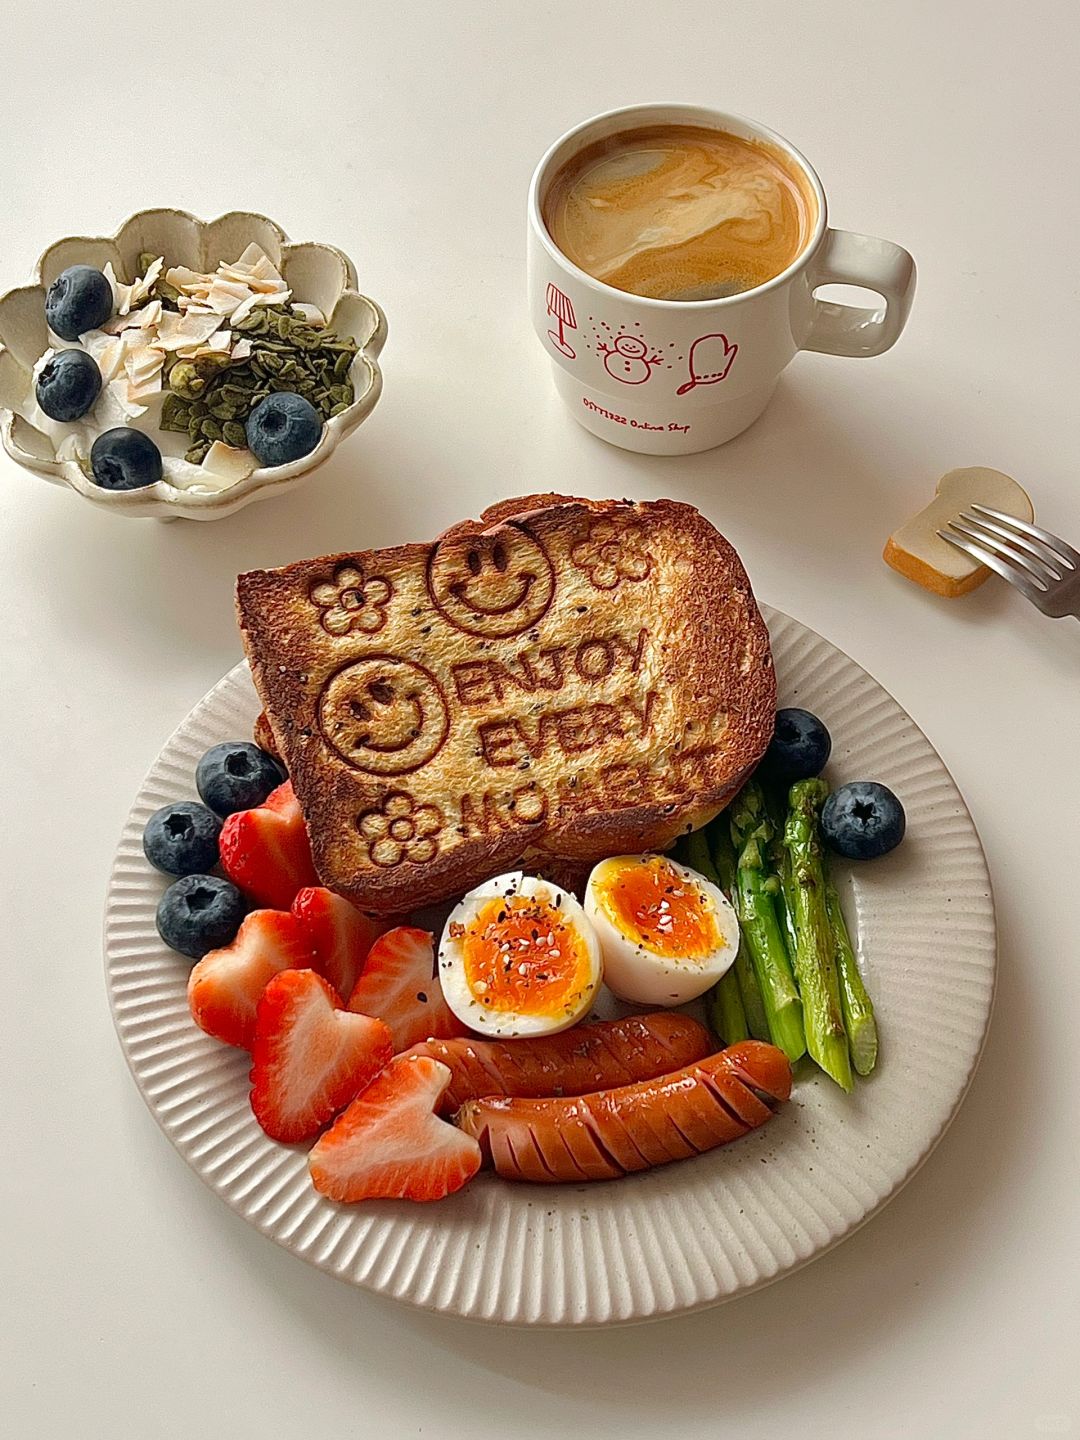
point(208, 321)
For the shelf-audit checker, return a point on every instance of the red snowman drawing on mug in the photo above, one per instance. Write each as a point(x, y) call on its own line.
point(627, 359)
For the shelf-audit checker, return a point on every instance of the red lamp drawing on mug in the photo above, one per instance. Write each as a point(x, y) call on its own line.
point(561, 310)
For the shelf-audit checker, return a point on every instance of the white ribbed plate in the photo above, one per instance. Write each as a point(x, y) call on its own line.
point(670, 1240)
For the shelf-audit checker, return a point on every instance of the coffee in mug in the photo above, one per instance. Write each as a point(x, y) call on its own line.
point(675, 254)
point(680, 212)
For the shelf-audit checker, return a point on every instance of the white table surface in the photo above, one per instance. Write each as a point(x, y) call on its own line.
point(134, 1304)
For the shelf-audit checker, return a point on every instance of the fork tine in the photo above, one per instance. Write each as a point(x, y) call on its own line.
point(1007, 572)
point(1009, 547)
point(1035, 532)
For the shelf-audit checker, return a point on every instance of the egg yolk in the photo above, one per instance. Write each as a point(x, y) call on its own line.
point(522, 954)
point(655, 906)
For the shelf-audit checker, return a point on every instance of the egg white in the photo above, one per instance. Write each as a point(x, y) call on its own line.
point(636, 973)
point(511, 1024)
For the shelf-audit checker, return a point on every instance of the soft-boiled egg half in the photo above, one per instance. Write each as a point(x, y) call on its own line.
point(666, 932)
point(518, 957)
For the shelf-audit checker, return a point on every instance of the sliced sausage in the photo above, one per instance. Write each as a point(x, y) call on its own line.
point(577, 1062)
point(615, 1131)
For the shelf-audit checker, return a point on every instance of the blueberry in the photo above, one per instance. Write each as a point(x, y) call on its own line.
point(68, 385)
point(200, 913)
point(182, 839)
point(236, 776)
point(800, 746)
point(283, 427)
point(79, 299)
point(863, 820)
point(125, 459)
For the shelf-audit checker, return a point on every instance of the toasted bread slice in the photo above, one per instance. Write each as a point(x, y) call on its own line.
point(264, 736)
point(562, 678)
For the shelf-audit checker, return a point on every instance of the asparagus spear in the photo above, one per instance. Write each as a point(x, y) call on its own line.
point(698, 856)
point(725, 1003)
point(726, 1013)
point(815, 959)
point(855, 1002)
point(756, 910)
point(723, 854)
point(776, 805)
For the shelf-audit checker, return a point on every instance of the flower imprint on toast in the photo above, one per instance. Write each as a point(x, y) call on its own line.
point(399, 829)
point(349, 602)
point(492, 583)
point(611, 553)
point(384, 715)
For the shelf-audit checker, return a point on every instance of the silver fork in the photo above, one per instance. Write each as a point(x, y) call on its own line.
point(1041, 566)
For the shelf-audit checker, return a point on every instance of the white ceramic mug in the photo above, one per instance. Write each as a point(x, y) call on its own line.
point(671, 377)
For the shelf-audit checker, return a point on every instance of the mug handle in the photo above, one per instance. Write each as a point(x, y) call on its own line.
point(847, 258)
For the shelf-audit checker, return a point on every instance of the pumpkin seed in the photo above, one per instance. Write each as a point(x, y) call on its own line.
point(234, 434)
point(175, 413)
point(186, 381)
point(169, 297)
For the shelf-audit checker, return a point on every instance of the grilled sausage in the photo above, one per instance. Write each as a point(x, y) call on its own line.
point(586, 1058)
point(632, 1127)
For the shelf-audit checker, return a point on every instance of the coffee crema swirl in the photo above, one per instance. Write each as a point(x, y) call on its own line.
point(680, 212)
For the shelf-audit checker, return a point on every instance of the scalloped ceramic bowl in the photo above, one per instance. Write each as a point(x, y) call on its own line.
point(318, 274)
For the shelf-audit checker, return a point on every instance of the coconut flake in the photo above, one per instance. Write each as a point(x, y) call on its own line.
point(108, 350)
point(277, 297)
point(143, 319)
point(254, 256)
point(115, 406)
point(180, 332)
point(218, 344)
point(231, 463)
point(181, 278)
point(126, 297)
point(255, 268)
point(143, 367)
point(142, 286)
point(111, 361)
point(225, 295)
point(121, 292)
point(311, 313)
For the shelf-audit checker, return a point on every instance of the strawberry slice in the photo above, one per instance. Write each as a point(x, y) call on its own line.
point(226, 985)
point(265, 851)
point(399, 985)
point(310, 1056)
point(390, 1144)
point(339, 935)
